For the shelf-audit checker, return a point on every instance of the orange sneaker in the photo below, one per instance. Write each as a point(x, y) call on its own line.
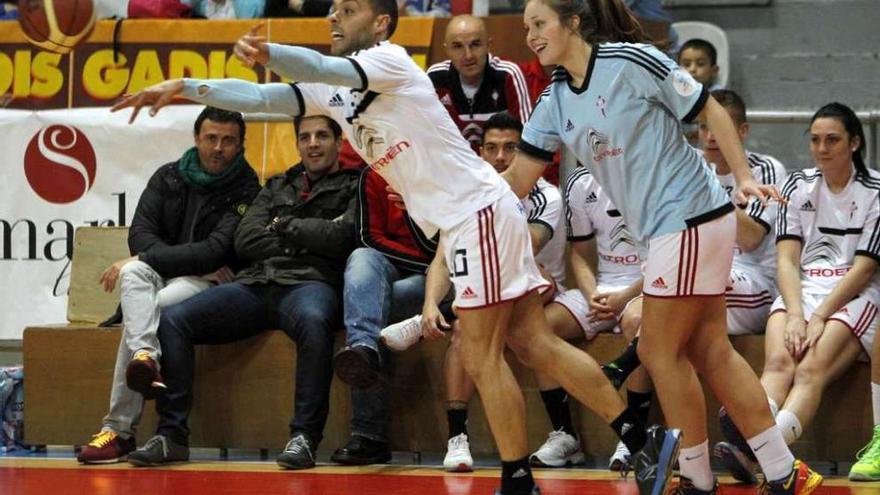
point(801, 481)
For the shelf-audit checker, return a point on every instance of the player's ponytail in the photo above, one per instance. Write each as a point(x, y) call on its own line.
point(615, 22)
point(599, 20)
point(846, 116)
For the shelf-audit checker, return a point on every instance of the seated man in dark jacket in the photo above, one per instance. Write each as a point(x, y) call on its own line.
point(181, 243)
point(296, 237)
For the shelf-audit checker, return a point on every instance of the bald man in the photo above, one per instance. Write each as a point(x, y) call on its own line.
point(473, 84)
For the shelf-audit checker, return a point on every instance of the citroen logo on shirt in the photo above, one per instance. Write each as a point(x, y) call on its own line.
point(822, 249)
point(600, 146)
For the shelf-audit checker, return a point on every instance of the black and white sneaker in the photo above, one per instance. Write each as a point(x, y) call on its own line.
point(299, 453)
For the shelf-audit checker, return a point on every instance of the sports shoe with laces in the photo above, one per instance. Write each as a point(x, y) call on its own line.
point(402, 335)
point(736, 462)
point(106, 447)
point(686, 487)
point(142, 376)
point(561, 449)
point(298, 453)
point(361, 450)
point(458, 455)
point(159, 450)
point(801, 481)
point(620, 457)
point(867, 466)
point(653, 465)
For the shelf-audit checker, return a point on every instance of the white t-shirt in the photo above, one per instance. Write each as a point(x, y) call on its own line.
point(766, 170)
point(589, 213)
point(543, 205)
point(398, 126)
point(832, 228)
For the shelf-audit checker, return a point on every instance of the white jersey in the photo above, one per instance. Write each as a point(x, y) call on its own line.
point(588, 213)
point(398, 126)
point(832, 228)
point(769, 171)
point(544, 206)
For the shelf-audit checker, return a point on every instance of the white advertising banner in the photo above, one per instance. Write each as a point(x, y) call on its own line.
point(62, 169)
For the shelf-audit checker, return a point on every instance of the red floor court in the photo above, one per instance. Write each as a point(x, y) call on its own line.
point(52, 476)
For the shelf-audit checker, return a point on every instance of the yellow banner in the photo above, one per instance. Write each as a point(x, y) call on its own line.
point(146, 52)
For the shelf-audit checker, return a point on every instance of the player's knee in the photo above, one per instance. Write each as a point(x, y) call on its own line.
point(810, 372)
point(779, 361)
point(630, 323)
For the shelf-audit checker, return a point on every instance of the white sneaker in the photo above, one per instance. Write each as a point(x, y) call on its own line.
point(620, 457)
point(458, 455)
point(560, 450)
point(402, 335)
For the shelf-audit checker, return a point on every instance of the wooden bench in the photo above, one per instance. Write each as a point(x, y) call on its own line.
point(244, 390)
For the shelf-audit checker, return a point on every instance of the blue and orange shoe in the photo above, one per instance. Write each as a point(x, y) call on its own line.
point(801, 481)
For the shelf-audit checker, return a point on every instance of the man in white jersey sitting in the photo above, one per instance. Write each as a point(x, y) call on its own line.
point(752, 286)
point(607, 272)
point(387, 104)
point(543, 208)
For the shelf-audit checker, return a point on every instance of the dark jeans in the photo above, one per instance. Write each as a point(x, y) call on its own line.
point(308, 313)
point(376, 293)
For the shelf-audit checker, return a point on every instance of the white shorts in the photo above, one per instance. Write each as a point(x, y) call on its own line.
point(859, 315)
point(749, 297)
point(575, 303)
point(489, 256)
point(693, 262)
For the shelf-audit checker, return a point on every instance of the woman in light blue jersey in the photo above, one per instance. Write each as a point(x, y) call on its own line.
point(617, 105)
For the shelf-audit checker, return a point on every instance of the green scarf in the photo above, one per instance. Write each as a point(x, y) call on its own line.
point(193, 174)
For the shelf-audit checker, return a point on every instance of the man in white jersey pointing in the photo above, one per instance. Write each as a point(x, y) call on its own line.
point(388, 107)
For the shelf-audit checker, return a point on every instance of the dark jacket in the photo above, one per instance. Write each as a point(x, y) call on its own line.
point(388, 229)
point(181, 229)
point(313, 231)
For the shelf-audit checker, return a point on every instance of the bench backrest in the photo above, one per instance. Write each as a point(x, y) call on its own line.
point(94, 249)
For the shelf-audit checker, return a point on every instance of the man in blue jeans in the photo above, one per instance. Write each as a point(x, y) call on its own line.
point(296, 237)
point(384, 283)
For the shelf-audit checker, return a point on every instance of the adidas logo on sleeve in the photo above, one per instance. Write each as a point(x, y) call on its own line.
point(808, 206)
point(336, 101)
point(591, 198)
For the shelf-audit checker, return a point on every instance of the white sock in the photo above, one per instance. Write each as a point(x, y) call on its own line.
point(789, 426)
point(875, 396)
point(774, 407)
point(694, 464)
point(773, 455)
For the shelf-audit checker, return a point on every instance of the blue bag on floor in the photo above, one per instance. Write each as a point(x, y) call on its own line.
point(12, 409)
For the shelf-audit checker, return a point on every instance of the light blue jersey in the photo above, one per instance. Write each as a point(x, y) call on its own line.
point(624, 124)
